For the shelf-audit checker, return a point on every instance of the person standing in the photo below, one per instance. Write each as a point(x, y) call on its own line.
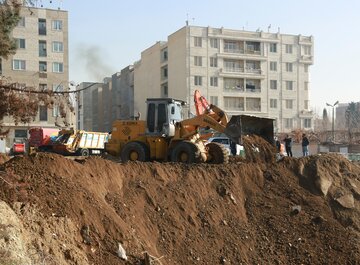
point(305, 145)
point(288, 145)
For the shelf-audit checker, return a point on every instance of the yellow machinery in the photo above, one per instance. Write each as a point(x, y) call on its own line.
point(165, 136)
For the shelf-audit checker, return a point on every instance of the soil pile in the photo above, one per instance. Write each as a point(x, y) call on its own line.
point(294, 211)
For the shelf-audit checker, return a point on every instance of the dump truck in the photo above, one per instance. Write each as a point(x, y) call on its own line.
point(80, 142)
point(166, 136)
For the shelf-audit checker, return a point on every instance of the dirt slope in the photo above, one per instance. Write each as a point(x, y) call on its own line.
point(294, 211)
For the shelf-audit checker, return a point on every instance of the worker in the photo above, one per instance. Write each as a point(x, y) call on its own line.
point(288, 145)
point(278, 145)
point(305, 145)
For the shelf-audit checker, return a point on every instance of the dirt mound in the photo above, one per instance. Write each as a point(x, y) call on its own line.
point(77, 212)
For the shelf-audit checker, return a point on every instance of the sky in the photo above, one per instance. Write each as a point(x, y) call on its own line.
point(114, 32)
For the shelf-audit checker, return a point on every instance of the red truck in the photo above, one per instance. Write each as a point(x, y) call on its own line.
point(41, 139)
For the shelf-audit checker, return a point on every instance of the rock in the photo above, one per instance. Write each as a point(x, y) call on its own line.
point(323, 184)
point(295, 209)
point(85, 233)
point(346, 201)
point(121, 252)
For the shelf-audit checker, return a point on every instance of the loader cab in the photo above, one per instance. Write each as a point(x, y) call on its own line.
point(162, 115)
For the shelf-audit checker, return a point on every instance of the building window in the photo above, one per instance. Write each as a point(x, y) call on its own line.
point(58, 46)
point(273, 84)
point(306, 68)
point(289, 67)
point(289, 103)
point(58, 88)
point(197, 41)
point(43, 87)
point(289, 85)
point(57, 25)
point(273, 103)
point(307, 49)
point(56, 111)
point(214, 43)
point(214, 100)
point(0, 66)
point(213, 62)
point(253, 104)
point(42, 48)
point(20, 133)
point(234, 103)
point(306, 85)
point(306, 104)
point(197, 80)
point(164, 55)
point(21, 22)
point(232, 84)
point(165, 72)
point(198, 60)
point(165, 90)
point(58, 68)
point(273, 47)
point(20, 43)
point(288, 123)
point(43, 113)
point(273, 66)
point(42, 66)
point(42, 26)
point(19, 65)
point(213, 81)
point(307, 123)
point(289, 48)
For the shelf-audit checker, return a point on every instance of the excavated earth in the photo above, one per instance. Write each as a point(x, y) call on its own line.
point(258, 210)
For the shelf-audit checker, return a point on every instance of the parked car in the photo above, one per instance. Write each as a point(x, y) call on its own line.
point(225, 141)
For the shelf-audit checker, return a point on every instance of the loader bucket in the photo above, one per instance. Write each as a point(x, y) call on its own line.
point(246, 125)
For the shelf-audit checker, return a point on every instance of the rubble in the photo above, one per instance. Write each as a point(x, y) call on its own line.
point(182, 213)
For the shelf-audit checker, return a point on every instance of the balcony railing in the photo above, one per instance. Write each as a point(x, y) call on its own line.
point(257, 52)
point(234, 89)
point(253, 90)
point(234, 69)
point(253, 70)
point(231, 50)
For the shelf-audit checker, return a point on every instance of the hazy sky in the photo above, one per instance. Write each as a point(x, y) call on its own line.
point(114, 32)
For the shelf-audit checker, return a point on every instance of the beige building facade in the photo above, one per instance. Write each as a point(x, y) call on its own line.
point(254, 73)
point(41, 61)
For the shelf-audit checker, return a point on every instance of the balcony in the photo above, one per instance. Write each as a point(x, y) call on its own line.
point(42, 75)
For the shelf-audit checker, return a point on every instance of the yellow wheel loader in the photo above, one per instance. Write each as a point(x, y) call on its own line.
point(165, 136)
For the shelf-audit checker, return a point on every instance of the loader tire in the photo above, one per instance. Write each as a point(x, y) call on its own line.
point(217, 154)
point(134, 151)
point(185, 152)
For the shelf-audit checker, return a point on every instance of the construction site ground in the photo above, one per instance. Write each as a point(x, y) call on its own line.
point(261, 209)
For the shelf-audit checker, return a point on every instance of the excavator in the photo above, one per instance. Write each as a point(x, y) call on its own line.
point(166, 136)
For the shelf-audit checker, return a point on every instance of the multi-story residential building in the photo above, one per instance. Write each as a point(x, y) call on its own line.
point(41, 61)
point(255, 73)
point(99, 104)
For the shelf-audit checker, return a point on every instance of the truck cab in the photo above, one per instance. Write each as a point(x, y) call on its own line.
point(162, 115)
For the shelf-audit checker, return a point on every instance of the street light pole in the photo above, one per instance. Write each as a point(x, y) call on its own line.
point(333, 119)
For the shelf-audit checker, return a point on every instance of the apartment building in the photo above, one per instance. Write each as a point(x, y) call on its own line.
point(243, 72)
point(41, 61)
point(100, 104)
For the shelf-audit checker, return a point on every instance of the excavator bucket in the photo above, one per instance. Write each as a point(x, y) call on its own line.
point(240, 125)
